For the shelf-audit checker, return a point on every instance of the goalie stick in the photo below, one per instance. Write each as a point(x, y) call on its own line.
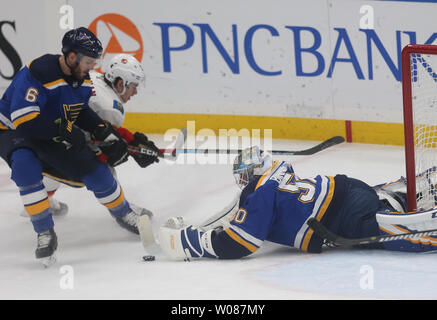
point(319, 147)
point(331, 237)
point(216, 219)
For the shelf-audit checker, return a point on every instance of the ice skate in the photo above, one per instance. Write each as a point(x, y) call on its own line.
point(46, 247)
point(129, 221)
point(140, 211)
point(57, 208)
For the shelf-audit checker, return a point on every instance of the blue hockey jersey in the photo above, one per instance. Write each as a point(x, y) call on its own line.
point(42, 89)
point(279, 207)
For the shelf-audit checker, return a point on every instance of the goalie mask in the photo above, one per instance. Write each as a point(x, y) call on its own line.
point(250, 162)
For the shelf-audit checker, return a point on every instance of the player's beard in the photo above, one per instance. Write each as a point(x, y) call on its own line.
point(77, 73)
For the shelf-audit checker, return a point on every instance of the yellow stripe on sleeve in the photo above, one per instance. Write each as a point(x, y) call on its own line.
point(328, 199)
point(54, 83)
point(320, 214)
point(306, 240)
point(260, 181)
point(25, 118)
point(240, 240)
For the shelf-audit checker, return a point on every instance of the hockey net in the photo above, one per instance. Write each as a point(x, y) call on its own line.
point(419, 84)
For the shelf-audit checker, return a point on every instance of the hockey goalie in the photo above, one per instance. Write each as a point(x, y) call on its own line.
point(275, 205)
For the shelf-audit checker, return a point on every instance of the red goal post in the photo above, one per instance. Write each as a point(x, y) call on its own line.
point(419, 88)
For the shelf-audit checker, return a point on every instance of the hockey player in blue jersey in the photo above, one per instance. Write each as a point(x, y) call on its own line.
point(275, 205)
point(42, 115)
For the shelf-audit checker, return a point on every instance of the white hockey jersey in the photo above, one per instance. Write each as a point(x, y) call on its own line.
point(105, 101)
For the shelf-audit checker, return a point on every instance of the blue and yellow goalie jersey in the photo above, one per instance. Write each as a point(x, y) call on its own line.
point(40, 89)
point(277, 208)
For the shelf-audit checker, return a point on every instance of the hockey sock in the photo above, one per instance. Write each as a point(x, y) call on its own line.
point(26, 173)
point(107, 191)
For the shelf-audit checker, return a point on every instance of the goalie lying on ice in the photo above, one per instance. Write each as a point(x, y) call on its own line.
point(275, 205)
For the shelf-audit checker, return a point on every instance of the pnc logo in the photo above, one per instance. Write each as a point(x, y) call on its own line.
point(118, 34)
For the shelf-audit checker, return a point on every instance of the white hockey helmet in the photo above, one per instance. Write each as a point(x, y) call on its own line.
point(127, 68)
point(250, 162)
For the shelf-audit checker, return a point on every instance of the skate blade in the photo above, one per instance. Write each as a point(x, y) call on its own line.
point(48, 261)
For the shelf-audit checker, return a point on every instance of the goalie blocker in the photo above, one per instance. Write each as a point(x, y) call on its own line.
point(275, 205)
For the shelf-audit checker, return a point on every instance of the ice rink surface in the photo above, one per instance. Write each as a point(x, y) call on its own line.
point(99, 260)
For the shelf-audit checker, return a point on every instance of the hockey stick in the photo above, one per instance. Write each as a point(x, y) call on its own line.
point(163, 153)
point(324, 233)
point(321, 146)
point(215, 220)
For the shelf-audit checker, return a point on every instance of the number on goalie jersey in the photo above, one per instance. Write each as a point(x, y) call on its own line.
point(279, 208)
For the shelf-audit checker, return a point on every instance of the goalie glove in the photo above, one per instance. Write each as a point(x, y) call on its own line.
point(185, 243)
point(144, 160)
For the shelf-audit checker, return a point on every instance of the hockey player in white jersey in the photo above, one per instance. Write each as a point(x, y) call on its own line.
point(111, 91)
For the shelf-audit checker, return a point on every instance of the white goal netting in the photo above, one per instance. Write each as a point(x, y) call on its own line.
point(424, 107)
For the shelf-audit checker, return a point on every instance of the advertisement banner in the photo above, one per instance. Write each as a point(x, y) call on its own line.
point(334, 59)
point(321, 59)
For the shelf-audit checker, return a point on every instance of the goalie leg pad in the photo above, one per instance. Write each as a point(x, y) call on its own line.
point(399, 223)
point(399, 185)
point(397, 201)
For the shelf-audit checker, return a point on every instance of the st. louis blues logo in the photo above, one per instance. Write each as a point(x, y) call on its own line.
point(71, 112)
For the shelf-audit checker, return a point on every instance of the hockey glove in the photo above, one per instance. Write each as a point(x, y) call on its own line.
point(144, 160)
point(105, 132)
point(116, 152)
point(112, 144)
point(185, 243)
point(70, 135)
